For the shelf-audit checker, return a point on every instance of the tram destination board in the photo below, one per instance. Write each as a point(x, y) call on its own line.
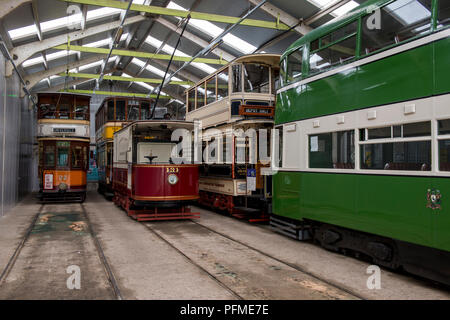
point(63, 130)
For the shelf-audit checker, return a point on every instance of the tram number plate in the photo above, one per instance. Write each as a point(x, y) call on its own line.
point(172, 170)
point(48, 181)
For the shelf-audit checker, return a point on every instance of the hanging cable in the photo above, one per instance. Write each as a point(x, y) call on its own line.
point(168, 65)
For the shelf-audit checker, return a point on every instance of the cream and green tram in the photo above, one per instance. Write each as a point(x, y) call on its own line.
point(233, 105)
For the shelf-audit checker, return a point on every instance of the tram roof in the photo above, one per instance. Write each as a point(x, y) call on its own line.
point(369, 6)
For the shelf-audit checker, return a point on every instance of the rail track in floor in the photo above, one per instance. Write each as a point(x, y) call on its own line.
point(99, 250)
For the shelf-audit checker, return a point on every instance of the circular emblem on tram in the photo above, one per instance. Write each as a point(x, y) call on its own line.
point(434, 199)
point(173, 179)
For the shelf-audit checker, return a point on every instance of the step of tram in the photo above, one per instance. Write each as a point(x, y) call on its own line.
point(290, 229)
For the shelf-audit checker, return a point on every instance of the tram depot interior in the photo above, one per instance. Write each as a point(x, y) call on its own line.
point(225, 150)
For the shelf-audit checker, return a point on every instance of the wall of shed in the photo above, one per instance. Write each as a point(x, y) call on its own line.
point(16, 142)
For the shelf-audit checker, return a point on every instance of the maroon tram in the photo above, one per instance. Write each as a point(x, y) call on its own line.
point(147, 182)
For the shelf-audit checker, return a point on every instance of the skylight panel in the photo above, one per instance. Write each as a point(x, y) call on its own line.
point(22, 32)
point(345, 8)
point(321, 3)
point(409, 11)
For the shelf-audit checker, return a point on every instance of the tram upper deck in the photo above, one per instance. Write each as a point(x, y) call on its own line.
point(245, 88)
point(63, 115)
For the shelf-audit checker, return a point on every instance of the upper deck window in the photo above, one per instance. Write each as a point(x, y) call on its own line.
point(200, 96)
point(145, 110)
point(256, 78)
point(222, 84)
point(334, 49)
point(110, 113)
point(120, 110)
point(237, 78)
point(211, 90)
point(191, 100)
point(443, 13)
point(400, 21)
point(133, 110)
point(294, 65)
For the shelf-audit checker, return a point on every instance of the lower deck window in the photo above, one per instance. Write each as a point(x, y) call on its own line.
point(409, 156)
point(444, 155)
point(332, 150)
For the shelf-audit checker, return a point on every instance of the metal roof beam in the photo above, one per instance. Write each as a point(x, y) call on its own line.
point(23, 52)
point(32, 79)
point(138, 54)
point(116, 94)
point(10, 5)
point(284, 17)
point(326, 10)
point(120, 78)
point(183, 14)
point(37, 21)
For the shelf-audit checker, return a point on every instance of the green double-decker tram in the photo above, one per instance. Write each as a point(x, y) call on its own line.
point(363, 112)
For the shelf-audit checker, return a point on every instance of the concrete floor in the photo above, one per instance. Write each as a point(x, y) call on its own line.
point(214, 257)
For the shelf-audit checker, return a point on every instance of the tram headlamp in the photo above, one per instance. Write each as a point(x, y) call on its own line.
point(62, 186)
point(172, 178)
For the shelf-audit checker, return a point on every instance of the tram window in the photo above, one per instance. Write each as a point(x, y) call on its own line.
point(145, 110)
point(47, 111)
point(332, 56)
point(256, 78)
point(294, 65)
point(237, 75)
point(443, 13)
point(191, 100)
point(120, 110)
point(81, 112)
point(444, 126)
point(211, 90)
point(380, 133)
point(418, 129)
point(222, 84)
point(400, 21)
point(77, 157)
point(64, 111)
point(444, 155)
point(275, 80)
point(62, 149)
point(405, 156)
point(49, 156)
point(332, 150)
point(133, 110)
point(200, 96)
point(340, 33)
point(111, 110)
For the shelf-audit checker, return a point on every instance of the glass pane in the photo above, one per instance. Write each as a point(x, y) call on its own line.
point(222, 84)
point(443, 13)
point(133, 110)
point(332, 150)
point(444, 155)
point(76, 157)
point(145, 110)
point(211, 90)
point(256, 78)
point(380, 133)
point(236, 85)
point(275, 80)
point(49, 158)
point(294, 65)
point(64, 111)
point(399, 21)
point(418, 129)
point(47, 111)
point(82, 112)
point(63, 157)
point(444, 126)
point(120, 110)
point(339, 34)
point(191, 100)
point(200, 96)
point(409, 156)
point(337, 54)
point(111, 110)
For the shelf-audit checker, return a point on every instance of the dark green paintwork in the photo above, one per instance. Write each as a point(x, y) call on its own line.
point(391, 206)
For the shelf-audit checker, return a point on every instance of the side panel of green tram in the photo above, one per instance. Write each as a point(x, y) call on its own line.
point(391, 206)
